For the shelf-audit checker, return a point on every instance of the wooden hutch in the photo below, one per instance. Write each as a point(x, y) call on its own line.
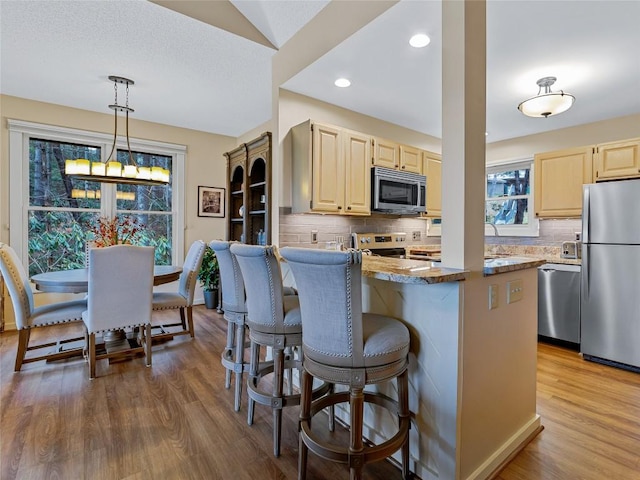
point(249, 191)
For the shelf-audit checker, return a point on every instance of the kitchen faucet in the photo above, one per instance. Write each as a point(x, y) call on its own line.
point(495, 229)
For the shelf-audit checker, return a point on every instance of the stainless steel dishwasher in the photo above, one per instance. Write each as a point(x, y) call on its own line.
point(559, 302)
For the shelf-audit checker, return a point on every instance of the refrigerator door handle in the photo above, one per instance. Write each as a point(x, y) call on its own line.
point(586, 274)
point(585, 214)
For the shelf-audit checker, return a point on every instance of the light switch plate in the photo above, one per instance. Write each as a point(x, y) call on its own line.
point(514, 291)
point(493, 296)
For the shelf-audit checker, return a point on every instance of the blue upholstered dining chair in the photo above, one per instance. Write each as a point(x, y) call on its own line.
point(274, 321)
point(345, 346)
point(235, 313)
point(120, 294)
point(28, 316)
point(181, 299)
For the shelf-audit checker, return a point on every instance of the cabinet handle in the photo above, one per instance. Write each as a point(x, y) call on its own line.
point(349, 207)
point(403, 167)
point(339, 207)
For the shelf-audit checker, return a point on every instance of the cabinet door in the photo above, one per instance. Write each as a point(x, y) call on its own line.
point(357, 189)
point(559, 177)
point(386, 153)
point(327, 190)
point(410, 159)
point(432, 168)
point(618, 160)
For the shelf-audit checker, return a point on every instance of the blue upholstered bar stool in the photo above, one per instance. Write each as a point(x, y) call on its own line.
point(344, 346)
point(235, 312)
point(274, 321)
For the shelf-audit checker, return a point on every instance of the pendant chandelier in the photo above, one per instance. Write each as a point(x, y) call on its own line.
point(112, 171)
point(547, 103)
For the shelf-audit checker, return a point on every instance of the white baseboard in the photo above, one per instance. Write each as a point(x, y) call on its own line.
point(510, 448)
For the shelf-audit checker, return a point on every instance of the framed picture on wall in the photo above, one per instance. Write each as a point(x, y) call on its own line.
point(210, 202)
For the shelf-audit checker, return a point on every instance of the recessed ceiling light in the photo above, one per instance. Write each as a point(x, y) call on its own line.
point(419, 40)
point(486, 134)
point(342, 82)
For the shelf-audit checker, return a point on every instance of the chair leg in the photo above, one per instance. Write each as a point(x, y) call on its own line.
point(253, 373)
point(306, 393)
point(190, 321)
point(147, 344)
point(278, 384)
point(356, 447)
point(92, 355)
point(23, 344)
point(239, 363)
point(182, 319)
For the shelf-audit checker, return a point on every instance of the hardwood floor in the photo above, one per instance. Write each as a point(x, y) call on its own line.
point(591, 415)
point(175, 420)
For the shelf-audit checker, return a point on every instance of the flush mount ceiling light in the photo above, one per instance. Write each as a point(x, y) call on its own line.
point(546, 103)
point(419, 40)
point(112, 171)
point(342, 82)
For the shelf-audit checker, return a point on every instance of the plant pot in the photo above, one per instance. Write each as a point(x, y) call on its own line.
point(211, 298)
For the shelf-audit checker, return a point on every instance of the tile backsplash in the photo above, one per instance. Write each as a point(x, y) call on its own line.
point(296, 230)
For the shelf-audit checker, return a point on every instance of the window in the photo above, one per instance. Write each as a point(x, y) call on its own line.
point(52, 214)
point(509, 200)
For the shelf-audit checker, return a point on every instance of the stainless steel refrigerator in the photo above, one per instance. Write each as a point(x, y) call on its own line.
point(610, 287)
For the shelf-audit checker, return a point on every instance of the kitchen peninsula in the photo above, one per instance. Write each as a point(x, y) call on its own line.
point(472, 375)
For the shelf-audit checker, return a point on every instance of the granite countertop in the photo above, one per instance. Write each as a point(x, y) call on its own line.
point(409, 271)
point(427, 272)
point(549, 254)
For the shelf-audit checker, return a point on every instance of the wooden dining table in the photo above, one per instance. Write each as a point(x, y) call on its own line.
point(77, 280)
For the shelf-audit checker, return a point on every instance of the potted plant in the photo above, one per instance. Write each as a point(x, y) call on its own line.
point(209, 276)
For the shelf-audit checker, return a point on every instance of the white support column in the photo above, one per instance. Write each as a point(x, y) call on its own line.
point(463, 133)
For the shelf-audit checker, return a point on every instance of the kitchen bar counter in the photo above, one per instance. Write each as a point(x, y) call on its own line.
point(428, 272)
point(472, 369)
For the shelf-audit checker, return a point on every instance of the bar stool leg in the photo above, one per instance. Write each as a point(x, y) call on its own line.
point(228, 352)
point(404, 416)
point(306, 388)
point(278, 384)
point(356, 447)
point(239, 363)
point(253, 373)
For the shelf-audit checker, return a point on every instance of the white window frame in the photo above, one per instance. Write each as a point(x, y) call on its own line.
point(532, 229)
point(20, 133)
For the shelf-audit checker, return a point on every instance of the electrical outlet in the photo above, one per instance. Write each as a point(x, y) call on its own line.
point(417, 235)
point(314, 236)
point(514, 291)
point(493, 296)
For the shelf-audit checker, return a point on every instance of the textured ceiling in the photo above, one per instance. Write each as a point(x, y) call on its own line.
point(194, 75)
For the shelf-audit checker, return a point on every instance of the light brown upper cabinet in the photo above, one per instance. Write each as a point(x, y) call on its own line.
point(432, 168)
point(330, 170)
point(559, 177)
point(410, 159)
point(617, 160)
point(389, 154)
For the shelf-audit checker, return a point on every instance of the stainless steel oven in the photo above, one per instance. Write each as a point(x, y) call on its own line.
point(396, 192)
point(381, 244)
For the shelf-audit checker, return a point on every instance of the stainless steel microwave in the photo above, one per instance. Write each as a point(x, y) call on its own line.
point(397, 192)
